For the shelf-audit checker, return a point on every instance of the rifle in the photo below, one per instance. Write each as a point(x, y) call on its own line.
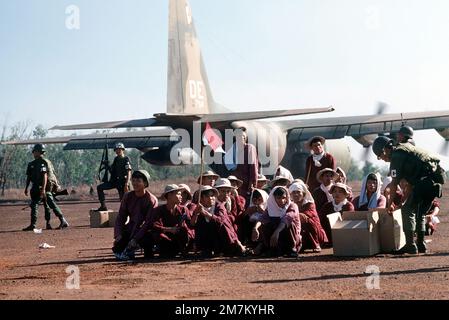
point(104, 165)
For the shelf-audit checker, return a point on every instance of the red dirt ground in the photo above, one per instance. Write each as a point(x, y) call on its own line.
point(27, 272)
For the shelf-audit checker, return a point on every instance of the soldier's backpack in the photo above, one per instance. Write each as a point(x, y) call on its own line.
point(430, 164)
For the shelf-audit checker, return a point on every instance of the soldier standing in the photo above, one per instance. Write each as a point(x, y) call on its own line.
point(120, 176)
point(41, 174)
point(422, 173)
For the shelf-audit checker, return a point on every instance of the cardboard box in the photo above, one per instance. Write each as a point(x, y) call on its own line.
point(391, 232)
point(112, 218)
point(99, 219)
point(355, 233)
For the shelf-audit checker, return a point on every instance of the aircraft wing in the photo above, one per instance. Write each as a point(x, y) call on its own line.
point(134, 139)
point(357, 126)
point(168, 119)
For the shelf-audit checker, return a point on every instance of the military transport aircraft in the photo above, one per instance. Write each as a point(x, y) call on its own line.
point(190, 100)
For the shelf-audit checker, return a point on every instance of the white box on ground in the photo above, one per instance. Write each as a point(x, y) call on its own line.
point(391, 232)
point(99, 219)
point(355, 233)
point(112, 218)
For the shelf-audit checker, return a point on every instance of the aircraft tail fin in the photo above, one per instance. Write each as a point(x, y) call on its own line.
point(188, 90)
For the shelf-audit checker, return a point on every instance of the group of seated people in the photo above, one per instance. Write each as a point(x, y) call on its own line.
point(281, 218)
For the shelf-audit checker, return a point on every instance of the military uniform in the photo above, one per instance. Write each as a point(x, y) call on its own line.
point(119, 172)
point(35, 172)
point(423, 174)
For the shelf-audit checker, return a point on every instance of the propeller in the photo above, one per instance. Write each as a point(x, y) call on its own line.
point(367, 140)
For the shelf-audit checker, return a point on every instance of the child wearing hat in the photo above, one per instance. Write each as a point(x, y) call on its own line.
point(214, 232)
point(234, 206)
point(340, 203)
point(169, 224)
point(322, 194)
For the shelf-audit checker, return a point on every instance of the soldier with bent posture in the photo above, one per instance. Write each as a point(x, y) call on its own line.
point(41, 174)
point(423, 176)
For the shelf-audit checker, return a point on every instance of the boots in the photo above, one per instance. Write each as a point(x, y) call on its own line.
point(48, 226)
point(102, 206)
point(421, 243)
point(64, 224)
point(410, 246)
point(29, 228)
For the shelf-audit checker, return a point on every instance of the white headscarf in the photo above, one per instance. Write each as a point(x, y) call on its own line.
point(298, 186)
point(363, 199)
point(272, 207)
point(257, 216)
point(264, 197)
point(285, 173)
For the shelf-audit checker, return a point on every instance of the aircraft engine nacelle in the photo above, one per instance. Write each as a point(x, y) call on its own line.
point(366, 140)
point(170, 156)
point(444, 133)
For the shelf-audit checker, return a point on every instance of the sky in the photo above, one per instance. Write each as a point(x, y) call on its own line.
point(259, 54)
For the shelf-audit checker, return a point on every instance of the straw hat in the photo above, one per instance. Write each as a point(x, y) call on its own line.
point(186, 188)
point(170, 188)
point(315, 138)
point(325, 170)
point(234, 178)
point(208, 174)
point(207, 188)
point(341, 186)
point(223, 183)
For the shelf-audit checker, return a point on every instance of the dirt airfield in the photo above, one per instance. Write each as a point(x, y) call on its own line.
point(27, 272)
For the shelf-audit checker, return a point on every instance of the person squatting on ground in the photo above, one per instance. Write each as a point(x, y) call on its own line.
point(322, 194)
point(371, 196)
point(312, 233)
point(120, 176)
point(170, 224)
point(423, 177)
point(214, 232)
point(233, 203)
point(340, 203)
point(138, 206)
point(40, 173)
point(279, 227)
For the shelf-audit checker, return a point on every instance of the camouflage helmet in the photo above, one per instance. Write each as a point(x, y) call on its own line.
point(406, 131)
point(39, 147)
point(119, 145)
point(380, 143)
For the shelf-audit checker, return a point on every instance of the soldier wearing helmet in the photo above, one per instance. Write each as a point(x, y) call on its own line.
point(405, 135)
point(41, 174)
point(120, 176)
point(421, 172)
